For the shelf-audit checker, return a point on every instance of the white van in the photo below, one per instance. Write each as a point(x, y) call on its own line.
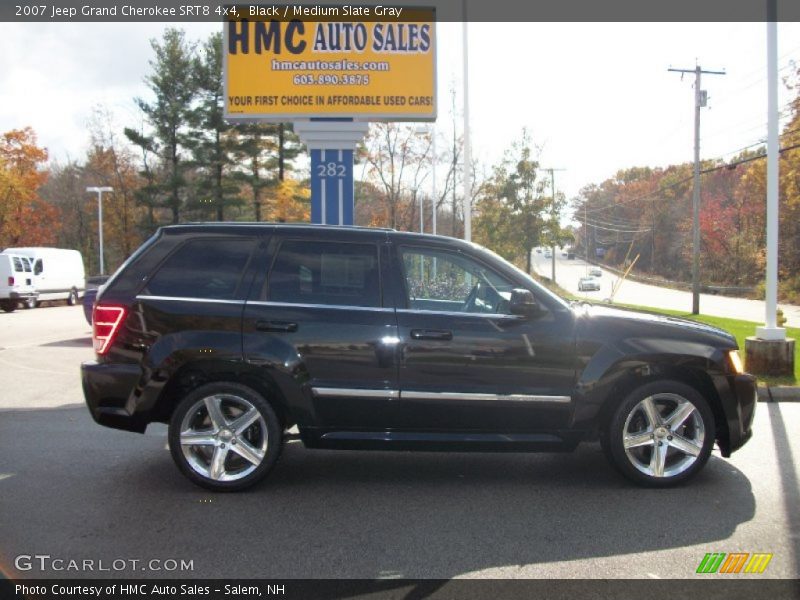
point(16, 282)
point(58, 274)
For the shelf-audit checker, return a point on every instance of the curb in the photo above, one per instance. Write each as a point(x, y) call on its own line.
point(781, 393)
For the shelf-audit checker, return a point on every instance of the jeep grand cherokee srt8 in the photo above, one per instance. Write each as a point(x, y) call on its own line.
point(377, 339)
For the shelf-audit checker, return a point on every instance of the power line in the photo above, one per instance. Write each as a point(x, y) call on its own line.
point(591, 224)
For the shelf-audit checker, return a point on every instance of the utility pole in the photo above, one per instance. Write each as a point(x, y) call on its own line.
point(700, 99)
point(553, 216)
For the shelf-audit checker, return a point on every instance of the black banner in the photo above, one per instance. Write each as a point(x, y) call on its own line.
point(714, 587)
point(103, 11)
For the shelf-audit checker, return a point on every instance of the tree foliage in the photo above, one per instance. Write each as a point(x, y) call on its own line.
point(25, 220)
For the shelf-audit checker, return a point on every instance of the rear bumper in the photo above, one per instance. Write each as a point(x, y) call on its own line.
point(22, 295)
point(108, 389)
point(739, 401)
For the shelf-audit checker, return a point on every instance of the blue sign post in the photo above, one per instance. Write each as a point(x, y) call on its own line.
point(332, 187)
point(331, 144)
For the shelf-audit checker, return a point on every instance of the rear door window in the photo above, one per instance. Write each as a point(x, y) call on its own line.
point(18, 265)
point(203, 268)
point(329, 273)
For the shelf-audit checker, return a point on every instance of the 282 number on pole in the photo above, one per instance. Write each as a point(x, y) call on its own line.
point(331, 169)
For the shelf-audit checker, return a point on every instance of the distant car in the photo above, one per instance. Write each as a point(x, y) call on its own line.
point(570, 256)
point(538, 251)
point(595, 272)
point(588, 284)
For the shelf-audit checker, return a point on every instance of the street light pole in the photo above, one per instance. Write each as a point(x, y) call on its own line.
point(467, 148)
point(771, 329)
point(99, 191)
point(434, 160)
point(553, 215)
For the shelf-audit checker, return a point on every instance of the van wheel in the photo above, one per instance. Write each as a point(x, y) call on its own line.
point(72, 300)
point(224, 436)
point(8, 306)
point(661, 434)
point(31, 303)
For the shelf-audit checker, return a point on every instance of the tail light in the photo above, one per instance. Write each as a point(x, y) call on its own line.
point(10, 281)
point(106, 322)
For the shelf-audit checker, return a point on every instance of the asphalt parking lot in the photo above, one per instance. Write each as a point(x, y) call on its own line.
point(73, 490)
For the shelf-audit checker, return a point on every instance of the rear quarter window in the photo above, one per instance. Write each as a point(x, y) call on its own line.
point(204, 268)
point(328, 273)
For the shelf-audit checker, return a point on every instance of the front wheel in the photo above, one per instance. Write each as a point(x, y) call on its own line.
point(224, 436)
point(661, 434)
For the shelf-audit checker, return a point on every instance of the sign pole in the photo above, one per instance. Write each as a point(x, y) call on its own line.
point(331, 144)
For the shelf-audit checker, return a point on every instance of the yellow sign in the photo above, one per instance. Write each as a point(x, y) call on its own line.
point(370, 66)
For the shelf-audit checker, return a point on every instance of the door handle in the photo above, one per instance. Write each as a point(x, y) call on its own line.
point(276, 326)
point(432, 334)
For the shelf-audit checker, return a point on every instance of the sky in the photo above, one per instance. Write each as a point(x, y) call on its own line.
point(596, 97)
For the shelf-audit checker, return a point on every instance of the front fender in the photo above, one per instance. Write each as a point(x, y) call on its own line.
point(613, 370)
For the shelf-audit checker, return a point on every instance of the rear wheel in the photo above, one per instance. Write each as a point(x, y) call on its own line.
point(8, 306)
point(661, 434)
point(224, 436)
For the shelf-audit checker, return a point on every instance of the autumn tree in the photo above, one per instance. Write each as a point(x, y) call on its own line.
point(25, 219)
point(395, 155)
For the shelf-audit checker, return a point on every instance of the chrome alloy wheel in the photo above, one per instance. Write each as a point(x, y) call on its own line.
point(663, 435)
point(224, 437)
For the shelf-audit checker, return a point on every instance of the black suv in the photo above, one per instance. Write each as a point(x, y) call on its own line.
point(378, 339)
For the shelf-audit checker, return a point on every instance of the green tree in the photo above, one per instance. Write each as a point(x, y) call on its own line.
point(174, 85)
point(213, 141)
point(266, 153)
point(510, 215)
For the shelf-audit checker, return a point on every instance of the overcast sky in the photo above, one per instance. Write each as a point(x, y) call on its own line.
point(596, 97)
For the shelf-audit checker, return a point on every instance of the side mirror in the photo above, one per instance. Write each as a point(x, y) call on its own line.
point(523, 303)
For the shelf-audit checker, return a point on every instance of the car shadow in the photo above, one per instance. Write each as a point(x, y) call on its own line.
point(78, 489)
point(80, 342)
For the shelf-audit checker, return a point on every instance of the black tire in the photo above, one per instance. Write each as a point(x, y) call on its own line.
point(698, 425)
point(8, 306)
point(236, 395)
point(72, 299)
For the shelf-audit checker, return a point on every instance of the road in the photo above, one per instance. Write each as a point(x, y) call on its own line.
point(568, 272)
point(74, 490)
